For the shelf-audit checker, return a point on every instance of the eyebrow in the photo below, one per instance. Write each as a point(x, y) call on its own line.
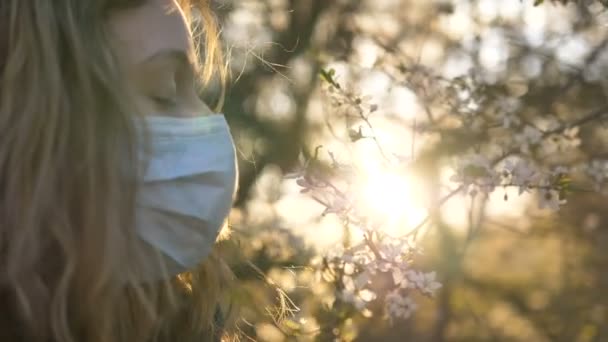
point(181, 56)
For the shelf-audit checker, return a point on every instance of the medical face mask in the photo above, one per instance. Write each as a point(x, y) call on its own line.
point(188, 187)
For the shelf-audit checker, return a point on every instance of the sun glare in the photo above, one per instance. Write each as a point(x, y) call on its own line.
point(394, 200)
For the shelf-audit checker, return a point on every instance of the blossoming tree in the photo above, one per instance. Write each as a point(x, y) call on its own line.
point(429, 123)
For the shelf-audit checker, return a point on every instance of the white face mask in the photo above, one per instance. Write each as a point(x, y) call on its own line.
point(188, 187)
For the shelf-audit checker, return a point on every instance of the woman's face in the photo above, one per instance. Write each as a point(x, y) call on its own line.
point(156, 48)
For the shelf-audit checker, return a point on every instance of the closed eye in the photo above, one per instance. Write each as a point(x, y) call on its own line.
point(164, 103)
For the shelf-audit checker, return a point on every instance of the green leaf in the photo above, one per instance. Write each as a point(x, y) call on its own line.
point(292, 324)
point(328, 76)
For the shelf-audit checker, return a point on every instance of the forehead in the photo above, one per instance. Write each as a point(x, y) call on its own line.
point(146, 30)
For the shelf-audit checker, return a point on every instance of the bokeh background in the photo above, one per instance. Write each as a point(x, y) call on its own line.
point(510, 272)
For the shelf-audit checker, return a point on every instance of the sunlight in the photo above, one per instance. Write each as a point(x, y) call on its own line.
point(393, 200)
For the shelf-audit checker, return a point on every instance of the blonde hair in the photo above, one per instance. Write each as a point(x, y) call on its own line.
point(68, 179)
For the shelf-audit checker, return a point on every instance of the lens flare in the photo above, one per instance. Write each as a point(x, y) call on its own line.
point(394, 200)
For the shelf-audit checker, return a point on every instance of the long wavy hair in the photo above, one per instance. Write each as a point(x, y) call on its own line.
point(68, 177)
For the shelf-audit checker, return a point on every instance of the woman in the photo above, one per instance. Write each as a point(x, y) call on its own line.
point(115, 178)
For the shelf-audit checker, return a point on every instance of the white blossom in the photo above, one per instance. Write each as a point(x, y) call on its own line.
point(416, 278)
point(429, 285)
point(549, 199)
point(376, 256)
point(560, 170)
point(425, 282)
point(509, 120)
point(399, 278)
point(530, 136)
point(597, 170)
point(338, 205)
point(507, 106)
point(399, 306)
point(523, 174)
point(362, 279)
point(475, 174)
point(394, 251)
point(351, 297)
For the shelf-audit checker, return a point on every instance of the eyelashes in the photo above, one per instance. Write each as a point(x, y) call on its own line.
point(165, 96)
point(172, 87)
point(165, 103)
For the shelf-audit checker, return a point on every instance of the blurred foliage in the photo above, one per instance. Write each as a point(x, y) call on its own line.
point(527, 276)
point(565, 2)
